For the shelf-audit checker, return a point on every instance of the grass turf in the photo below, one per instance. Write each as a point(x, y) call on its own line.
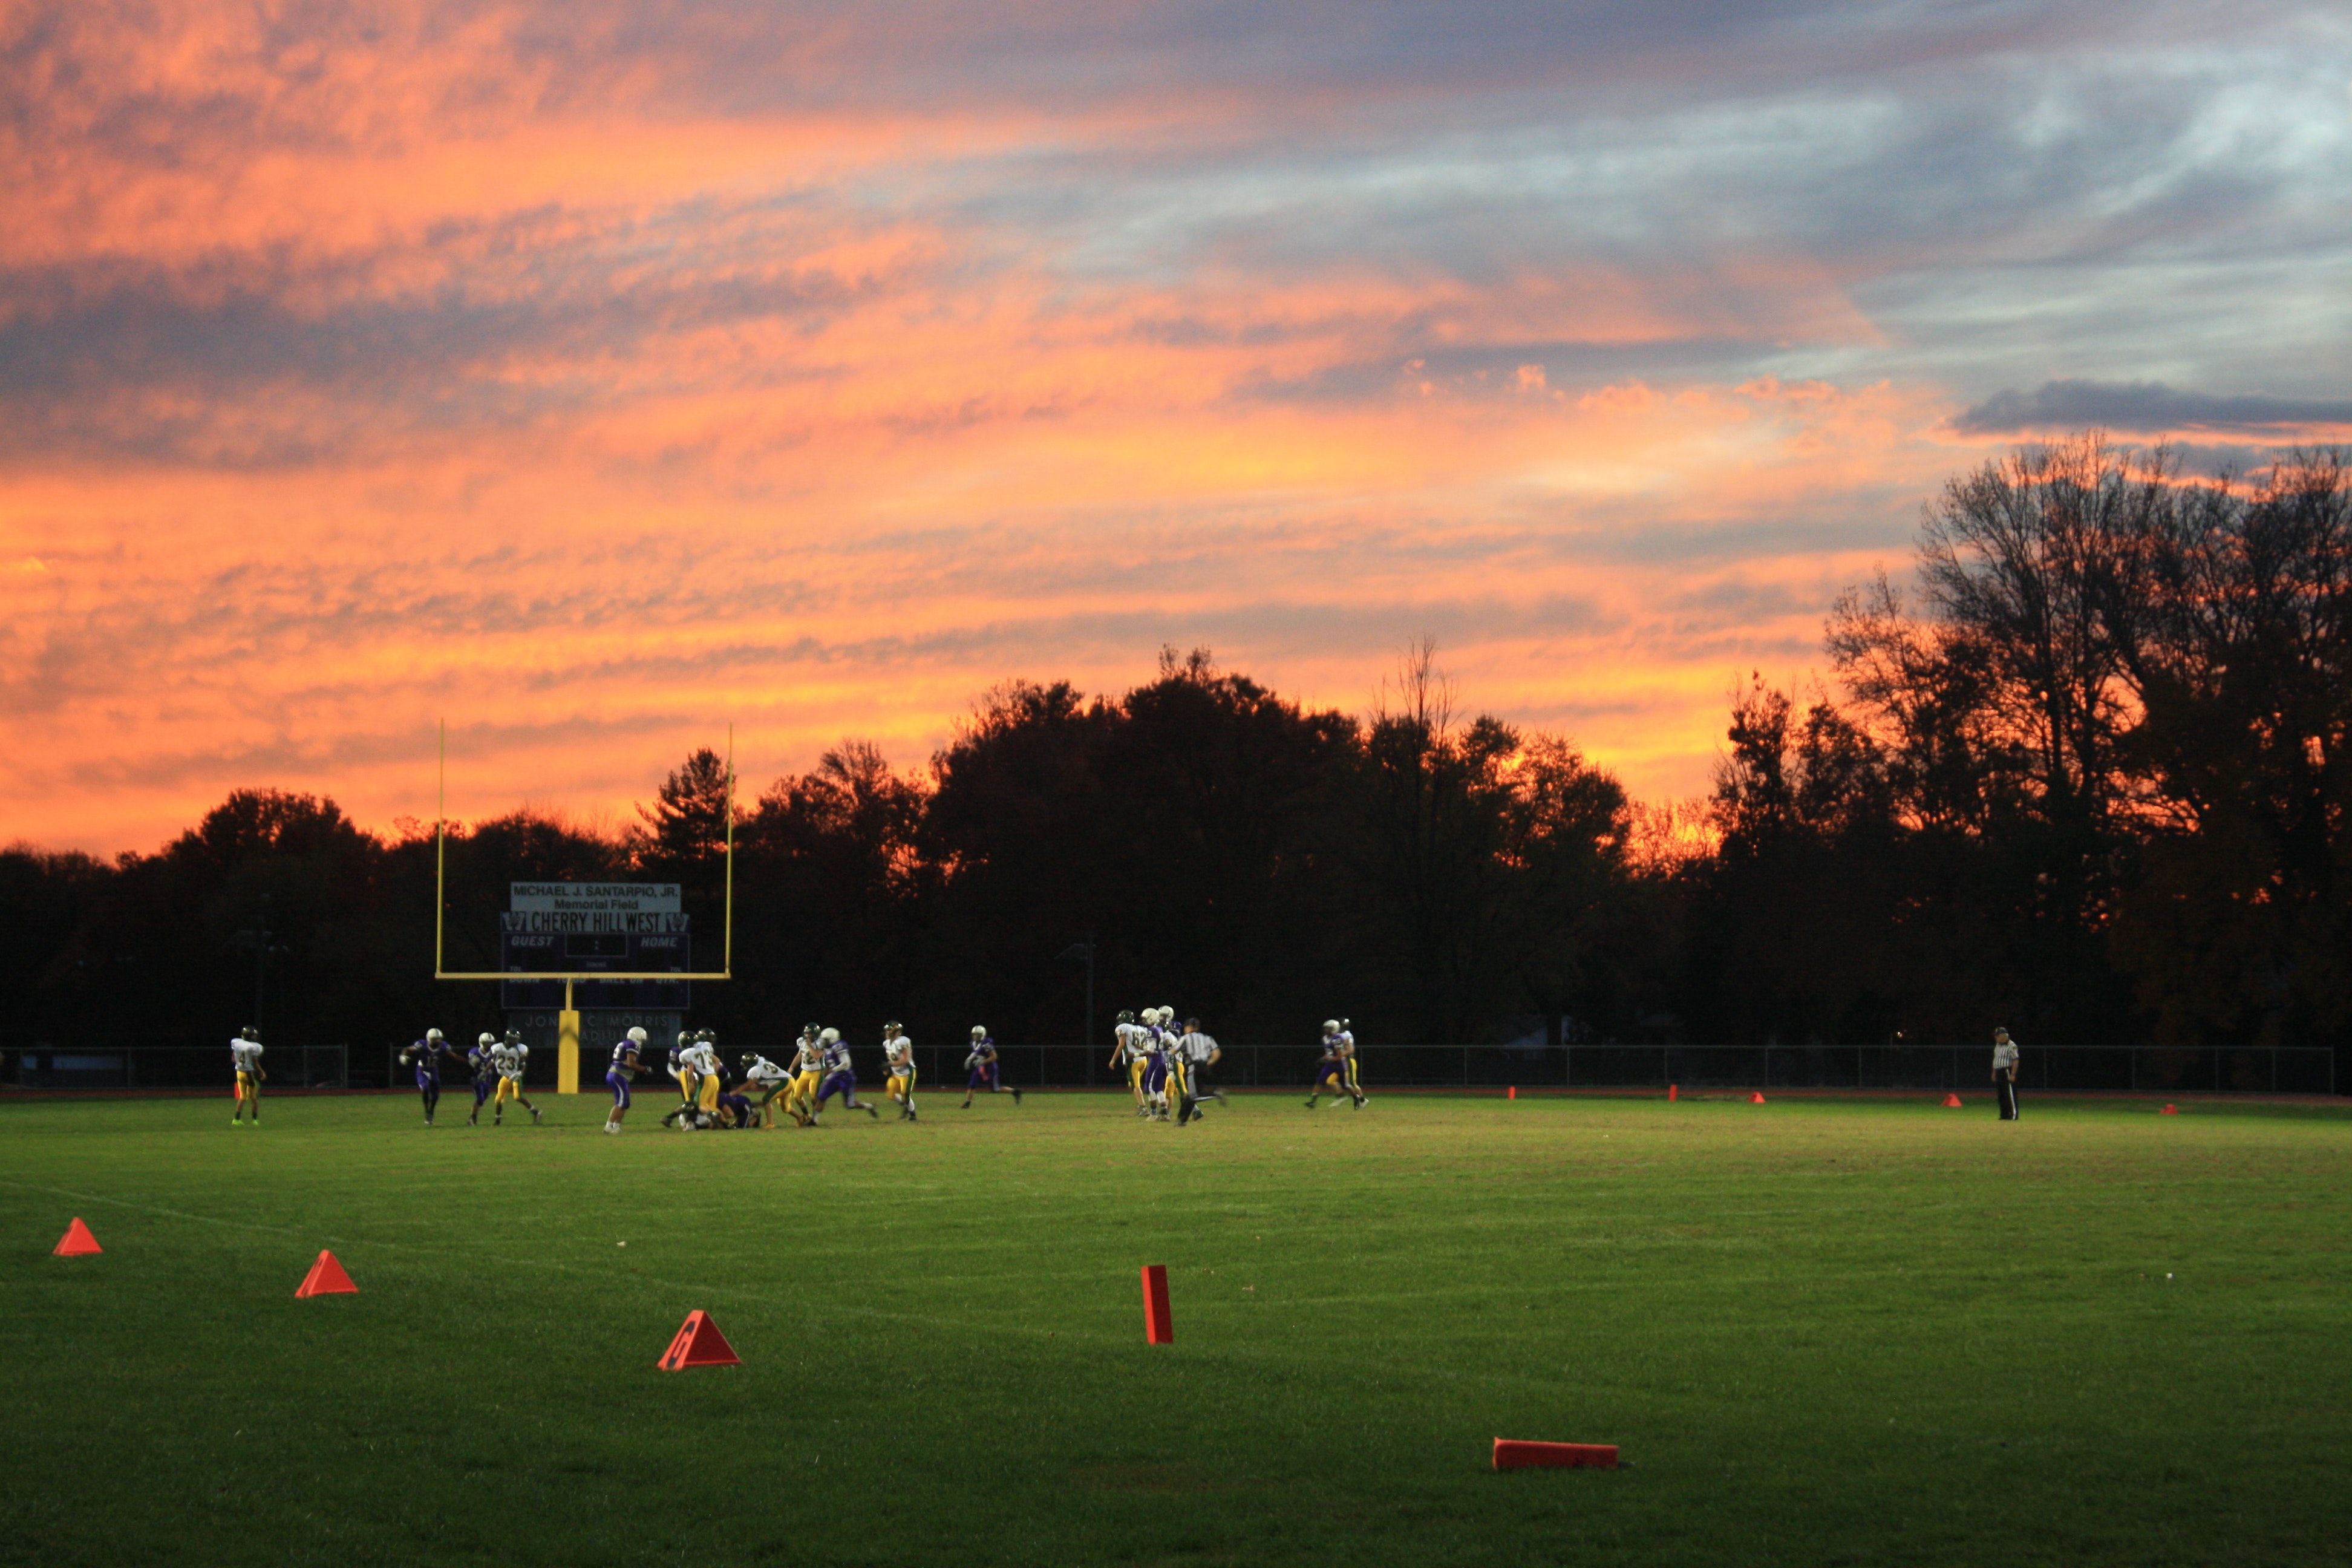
point(1823, 1331)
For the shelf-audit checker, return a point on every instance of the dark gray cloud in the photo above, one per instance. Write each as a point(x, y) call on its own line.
point(2148, 406)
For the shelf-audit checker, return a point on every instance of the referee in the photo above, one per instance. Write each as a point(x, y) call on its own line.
point(2004, 1073)
point(1199, 1053)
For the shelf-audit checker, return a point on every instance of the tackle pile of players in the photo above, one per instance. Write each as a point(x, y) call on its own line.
point(1167, 1069)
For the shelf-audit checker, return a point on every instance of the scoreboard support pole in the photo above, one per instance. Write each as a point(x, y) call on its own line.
point(567, 1045)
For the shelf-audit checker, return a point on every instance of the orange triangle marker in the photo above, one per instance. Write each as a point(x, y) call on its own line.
point(327, 1279)
point(2168, 1111)
point(1511, 1454)
point(1755, 1096)
point(698, 1342)
point(1952, 1102)
point(77, 1242)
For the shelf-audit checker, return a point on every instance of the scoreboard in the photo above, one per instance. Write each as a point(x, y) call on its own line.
point(523, 952)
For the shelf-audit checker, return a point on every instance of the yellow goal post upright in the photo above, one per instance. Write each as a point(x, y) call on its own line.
point(567, 1022)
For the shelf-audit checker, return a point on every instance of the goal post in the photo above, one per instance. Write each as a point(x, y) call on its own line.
point(567, 1025)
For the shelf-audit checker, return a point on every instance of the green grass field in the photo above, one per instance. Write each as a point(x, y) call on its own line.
point(1822, 1331)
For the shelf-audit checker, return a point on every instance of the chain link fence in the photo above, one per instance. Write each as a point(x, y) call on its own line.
point(2259, 1069)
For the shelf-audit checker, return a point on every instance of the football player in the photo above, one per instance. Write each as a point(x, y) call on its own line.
point(426, 1055)
point(1333, 1067)
point(898, 1055)
point(1155, 1065)
point(1127, 1053)
point(1347, 1055)
point(511, 1057)
point(245, 1060)
point(840, 1078)
point(624, 1068)
point(682, 1073)
point(483, 1060)
point(770, 1081)
point(981, 1065)
point(710, 1073)
point(807, 1071)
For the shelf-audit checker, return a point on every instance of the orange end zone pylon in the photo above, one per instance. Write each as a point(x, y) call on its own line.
point(77, 1242)
point(1518, 1456)
point(326, 1278)
point(1674, 1092)
point(697, 1342)
point(1158, 1325)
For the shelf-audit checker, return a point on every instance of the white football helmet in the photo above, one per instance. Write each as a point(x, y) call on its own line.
point(1330, 1026)
point(830, 1037)
point(431, 1034)
point(486, 1038)
point(980, 1031)
point(638, 1033)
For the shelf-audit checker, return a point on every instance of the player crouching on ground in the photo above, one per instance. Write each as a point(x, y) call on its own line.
point(768, 1080)
point(898, 1054)
point(1338, 1066)
point(511, 1057)
point(981, 1065)
point(840, 1078)
point(244, 1060)
point(624, 1068)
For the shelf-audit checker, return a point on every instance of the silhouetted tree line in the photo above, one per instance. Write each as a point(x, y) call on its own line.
point(2087, 777)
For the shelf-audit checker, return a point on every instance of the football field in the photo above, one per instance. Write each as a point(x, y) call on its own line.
point(1821, 1330)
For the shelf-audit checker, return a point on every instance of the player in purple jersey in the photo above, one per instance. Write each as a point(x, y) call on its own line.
point(840, 1079)
point(982, 1065)
point(1337, 1066)
point(483, 1060)
point(624, 1068)
point(426, 1055)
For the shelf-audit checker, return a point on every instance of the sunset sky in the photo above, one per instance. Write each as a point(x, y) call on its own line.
point(594, 374)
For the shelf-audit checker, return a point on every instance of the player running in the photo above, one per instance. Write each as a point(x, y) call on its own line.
point(1127, 1053)
point(427, 1054)
point(1198, 1053)
point(898, 1055)
point(840, 1078)
point(624, 1068)
point(482, 1061)
point(511, 1057)
point(244, 1060)
point(807, 1071)
point(1337, 1065)
point(982, 1063)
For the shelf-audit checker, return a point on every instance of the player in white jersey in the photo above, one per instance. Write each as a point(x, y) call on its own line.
point(701, 1062)
point(1338, 1066)
point(244, 1057)
point(898, 1055)
point(766, 1079)
point(807, 1069)
point(1127, 1056)
point(1198, 1053)
point(511, 1057)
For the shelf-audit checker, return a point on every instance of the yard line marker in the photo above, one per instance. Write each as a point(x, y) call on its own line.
point(1159, 1327)
point(1510, 1455)
point(697, 1342)
point(77, 1242)
point(326, 1278)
